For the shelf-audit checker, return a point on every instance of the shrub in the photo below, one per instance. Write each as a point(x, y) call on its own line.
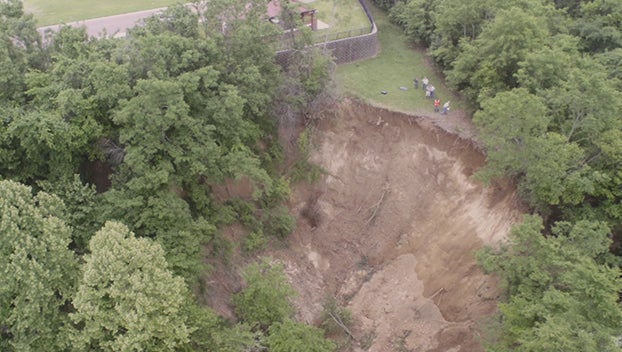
point(266, 298)
point(279, 222)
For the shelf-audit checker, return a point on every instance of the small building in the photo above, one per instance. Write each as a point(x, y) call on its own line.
point(307, 16)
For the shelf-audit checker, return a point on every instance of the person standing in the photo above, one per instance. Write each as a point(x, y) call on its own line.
point(446, 108)
point(437, 104)
point(416, 82)
point(432, 90)
point(425, 82)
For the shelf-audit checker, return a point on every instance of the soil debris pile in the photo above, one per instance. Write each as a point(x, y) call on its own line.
point(391, 229)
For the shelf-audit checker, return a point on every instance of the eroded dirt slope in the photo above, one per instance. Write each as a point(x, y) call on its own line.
point(391, 229)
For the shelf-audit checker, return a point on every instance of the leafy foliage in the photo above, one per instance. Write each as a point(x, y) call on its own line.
point(79, 200)
point(544, 78)
point(266, 298)
point(20, 49)
point(488, 64)
point(128, 299)
point(333, 315)
point(514, 126)
point(290, 336)
point(181, 105)
point(560, 295)
point(39, 145)
point(213, 334)
point(422, 30)
point(39, 270)
point(599, 25)
point(279, 222)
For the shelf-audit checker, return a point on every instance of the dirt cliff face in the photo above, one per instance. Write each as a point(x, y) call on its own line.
point(390, 231)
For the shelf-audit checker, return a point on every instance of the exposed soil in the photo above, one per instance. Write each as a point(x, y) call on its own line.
point(390, 230)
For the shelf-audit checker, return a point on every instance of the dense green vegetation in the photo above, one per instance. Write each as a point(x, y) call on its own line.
point(543, 78)
point(111, 153)
point(562, 295)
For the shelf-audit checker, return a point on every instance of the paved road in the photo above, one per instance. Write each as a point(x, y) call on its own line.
point(116, 25)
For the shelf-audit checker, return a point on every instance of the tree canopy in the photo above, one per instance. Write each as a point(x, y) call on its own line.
point(550, 53)
point(127, 299)
point(39, 270)
point(543, 80)
point(112, 154)
point(561, 295)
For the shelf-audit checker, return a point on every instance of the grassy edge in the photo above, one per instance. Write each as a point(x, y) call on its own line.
point(394, 67)
point(48, 12)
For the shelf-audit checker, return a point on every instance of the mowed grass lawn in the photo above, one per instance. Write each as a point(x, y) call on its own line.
point(63, 11)
point(396, 66)
point(340, 15)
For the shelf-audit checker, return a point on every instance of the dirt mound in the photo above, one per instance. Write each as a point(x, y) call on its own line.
point(391, 229)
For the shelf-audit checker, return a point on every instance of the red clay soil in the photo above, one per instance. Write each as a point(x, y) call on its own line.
point(390, 231)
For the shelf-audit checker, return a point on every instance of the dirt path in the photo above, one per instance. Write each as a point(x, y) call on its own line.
point(390, 232)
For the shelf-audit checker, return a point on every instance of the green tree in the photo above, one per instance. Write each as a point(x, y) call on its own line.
point(549, 65)
point(509, 123)
point(266, 298)
point(245, 47)
point(161, 139)
point(211, 333)
point(560, 294)
point(572, 6)
point(307, 89)
point(39, 144)
point(555, 173)
point(385, 4)
point(164, 216)
point(169, 142)
point(612, 60)
point(585, 106)
point(457, 21)
point(173, 153)
point(447, 26)
point(177, 19)
point(417, 19)
point(38, 269)
point(290, 336)
point(549, 168)
point(599, 24)
point(20, 49)
point(80, 202)
point(488, 64)
point(128, 299)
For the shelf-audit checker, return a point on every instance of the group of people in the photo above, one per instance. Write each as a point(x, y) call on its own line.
point(430, 94)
